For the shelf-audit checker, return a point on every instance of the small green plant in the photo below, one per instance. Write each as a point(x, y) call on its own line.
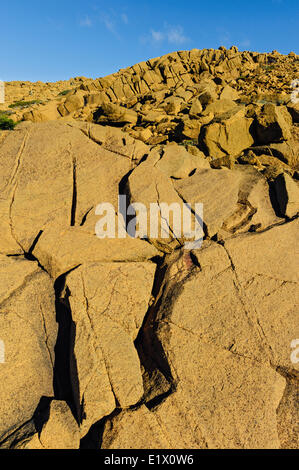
point(24, 104)
point(188, 142)
point(64, 92)
point(6, 124)
point(268, 67)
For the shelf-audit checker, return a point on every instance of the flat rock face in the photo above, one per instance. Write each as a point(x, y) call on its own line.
point(28, 336)
point(121, 433)
point(141, 321)
point(60, 179)
point(110, 301)
point(217, 325)
point(218, 192)
point(59, 432)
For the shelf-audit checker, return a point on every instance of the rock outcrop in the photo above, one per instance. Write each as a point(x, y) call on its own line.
point(117, 332)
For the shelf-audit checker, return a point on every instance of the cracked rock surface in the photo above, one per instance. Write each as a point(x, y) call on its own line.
point(137, 342)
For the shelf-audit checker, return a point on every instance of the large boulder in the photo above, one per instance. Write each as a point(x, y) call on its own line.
point(78, 245)
point(177, 162)
point(196, 108)
point(217, 190)
point(229, 93)
point(228, 135)
point(222, 106)
point(46, 112)
point(153, 189)
point(114, 114)
point(172, 105)
point(73, 102)
point(273, 124)
point(189, 129)
point(254, 210)
point(207, 92)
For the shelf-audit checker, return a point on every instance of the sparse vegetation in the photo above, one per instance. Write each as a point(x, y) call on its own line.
point(64, 92)
point(268, 67)
point(188, 142)
point(6, 123)
point(24, 104)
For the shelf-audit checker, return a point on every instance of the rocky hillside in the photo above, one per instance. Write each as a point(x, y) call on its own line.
point(136, 341)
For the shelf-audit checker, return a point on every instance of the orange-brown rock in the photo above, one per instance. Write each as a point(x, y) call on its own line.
point(114, 336)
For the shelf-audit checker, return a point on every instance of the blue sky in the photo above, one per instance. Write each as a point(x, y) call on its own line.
point(57, 40)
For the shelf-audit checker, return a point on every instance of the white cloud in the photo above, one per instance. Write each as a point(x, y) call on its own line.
point(157, 36)
point(112, 21)
point(109, 24)
point(171, 34)
point(176, 35)
point(86, 22)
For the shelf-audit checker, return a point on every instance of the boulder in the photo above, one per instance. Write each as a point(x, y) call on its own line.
point(190, 129)
point(177, 162)
point(47, 112)
point(196, 108)
point(172, 105)
point(229, 93)
point(217, 190)
point(78, 245)
point(114, 114)
point(164, 217)
point(254, 210)
point(229, 136)
point(287, 194)
point(96, 99)
point(226, 161)
point(222, 106)
point(72, 103)
point(162, 210)
point(273, 124)
point(117, 141)
point(207, 92)
point(154, 117)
